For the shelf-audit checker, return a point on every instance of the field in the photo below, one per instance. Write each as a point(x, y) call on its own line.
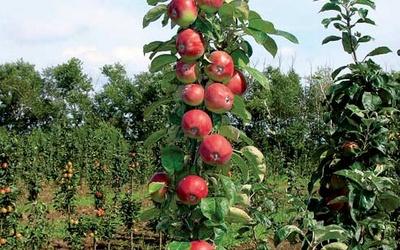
point(144, 236)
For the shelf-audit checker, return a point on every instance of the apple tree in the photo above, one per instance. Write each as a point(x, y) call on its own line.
point(207, 65)
point(355, 189)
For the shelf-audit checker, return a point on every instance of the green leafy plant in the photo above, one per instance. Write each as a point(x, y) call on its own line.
point(65, 200)
point(9, 216)
point(353, 192)
point(195, 199)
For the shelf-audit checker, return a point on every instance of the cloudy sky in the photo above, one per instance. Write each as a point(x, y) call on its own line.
point(48, 32)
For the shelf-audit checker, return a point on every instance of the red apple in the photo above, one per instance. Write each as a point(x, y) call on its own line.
point(192, 189)
point(215, 150)
point(160, 195)
point(218, 98)
point(350, 148)
point(190, 45)
point(187, 72)
point(339, 205)
point(193, 94)
point(221, 68)
point(201, 245)
point(98, 195)
point(210, 6)
point(196, 124)
point(4, 165)
point(183, 12)
point(237, 84)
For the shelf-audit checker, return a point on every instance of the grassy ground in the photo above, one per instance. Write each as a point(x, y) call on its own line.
point(145, 238)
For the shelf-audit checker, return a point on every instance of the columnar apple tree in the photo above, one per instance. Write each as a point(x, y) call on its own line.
point(355, 188)
point(9, 236)
point(207, 61)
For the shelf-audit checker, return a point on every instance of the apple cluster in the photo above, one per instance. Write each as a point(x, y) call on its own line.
point(210, 85)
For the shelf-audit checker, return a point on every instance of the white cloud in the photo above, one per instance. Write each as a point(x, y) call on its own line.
point(47, 32)
point(89, 54)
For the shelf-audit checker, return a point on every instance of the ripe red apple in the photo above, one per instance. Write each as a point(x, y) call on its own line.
point(218, 98)
point(4, 165)
point(201, 245)
point(193, 94)
point(350, 148)
point(183, 12)
point(237, 84)
point(192, 189)
point(98, 195)
point(215, 150)
point(196, 124)
point(221, 68)
point(187, 72)
point(190, 45)
point(210, 6)
point(160, 195)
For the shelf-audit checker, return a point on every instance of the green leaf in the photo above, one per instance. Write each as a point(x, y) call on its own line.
point(262, 25)
point(155, 2)
point(287, 231)
point(337, 71)
point(258, 77)
point(331, 39)
point(155, 137)
point(369, 3)
point(238, 161)
point(331, 232)
point(169, 46)
point(367, 200)
point(172, 159)
point(215, 209)
point(150, 47)
point(389, 201)
point(371, 101)
point(230, 132)
point(161, 61)
point(356, 110)
point(227, 12)
point(263, 39)
point(335, 246)
point(348, 42)
point(330, 6)
point(234, 134)
point(178, 246)
point(354, 175)
point(155, 187)
point(379, 51)
point(154, 14)
point(237, 215)
point(229, 188)
point(290, 37)
point(240, 58)
point(327, 21)
point(239, 109)
point(364, 39)
point(246, 46)
point(241, 9)
point(253, 163)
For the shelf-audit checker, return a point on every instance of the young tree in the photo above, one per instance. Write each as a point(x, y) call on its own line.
point(357, 193)
point(195, 198)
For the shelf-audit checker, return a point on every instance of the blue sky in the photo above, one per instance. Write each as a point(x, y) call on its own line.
point(48, 32)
